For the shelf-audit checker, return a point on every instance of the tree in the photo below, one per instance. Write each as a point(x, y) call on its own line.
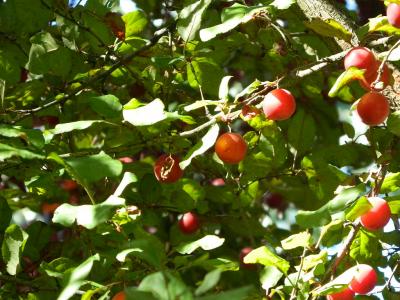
point(111, 186)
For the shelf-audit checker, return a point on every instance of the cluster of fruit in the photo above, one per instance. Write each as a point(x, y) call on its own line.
point(230, 147)
point(373, 107)
point(365, 277)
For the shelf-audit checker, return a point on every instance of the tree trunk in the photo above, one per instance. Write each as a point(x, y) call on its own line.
point(325, 10)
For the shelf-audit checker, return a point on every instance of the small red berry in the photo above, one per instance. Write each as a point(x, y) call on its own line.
point(279, 104)
point(231, 148)
point(361, 58)
point(378, 216)
point(373, 108)
point(166, 168)
point(346, 294)
point(189, 223)
point(393, 14)
point(364, 280)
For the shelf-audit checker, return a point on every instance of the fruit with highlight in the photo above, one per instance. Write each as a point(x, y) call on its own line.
point(189, 223)
point(231, 148)
point(373, 108)
point(378, 216)
point(279, 104)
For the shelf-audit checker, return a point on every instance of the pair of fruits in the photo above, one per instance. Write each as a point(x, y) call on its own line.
point(373, 107)
point(363, 281)
point(365, 277)
point(231, 148)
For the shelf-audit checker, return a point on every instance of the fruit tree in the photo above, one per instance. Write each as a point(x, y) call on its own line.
point(199, 149)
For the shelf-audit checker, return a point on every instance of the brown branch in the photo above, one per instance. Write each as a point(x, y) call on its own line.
point(343, 251)
point(326, 10)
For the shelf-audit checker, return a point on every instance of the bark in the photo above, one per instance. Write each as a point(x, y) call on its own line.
point(325, 10)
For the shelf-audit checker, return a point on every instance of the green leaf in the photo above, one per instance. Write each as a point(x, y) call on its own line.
point(393, 123)
point(46, 56)
point(208, 242)
point(134, 293)
point(39, 235)
point(365, 247)
point(77, 278)
point(149, 250)
point(145, 115)
point(391, 183)
point(58, 267)
point(69, 127)
point(224, 88)
point(394, 207)
point(311, 261)
point(344, 79)
point(232, 17)
point(107, 105)
point(269, 277)
point(250, 89)
point(189, 19)
point(322, 216)
point(336, 285)
point(239, 293)
point(12, 247)
point(210, 280)
point(165, 286)
point(32, 136)
point(359, 208)
point(204, 72)
point(127, 179)
point(207, 141)
point(329, 28)
point(7, 152)
point(135, 22)
point(381, 24)
point(88, 216)
point(5, 214)
point(95, 167)
point(302, 239)
point(266, 257)
point(302, 131)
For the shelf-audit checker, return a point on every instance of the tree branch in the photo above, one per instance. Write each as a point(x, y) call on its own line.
point(326, 10)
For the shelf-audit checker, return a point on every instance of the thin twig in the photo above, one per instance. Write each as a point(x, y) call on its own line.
point(343, 251)
point(295, 288)
point(382, 65)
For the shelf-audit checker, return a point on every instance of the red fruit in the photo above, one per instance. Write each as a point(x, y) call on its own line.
point(49, 208)
point(166, 168)
point(362, 58)
point(385, 78)
point(242, 255)
point(364, 280)
point(119, 296)
point(275, 200)
point(23, 75)
point(189, 223)
point(378, 216)
point(126, 160)
point(231, 148)
point(393, 14)
point(373, 108)
point(68, 185)
point(346, 294)
point(279, 104)
point(218, 182)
